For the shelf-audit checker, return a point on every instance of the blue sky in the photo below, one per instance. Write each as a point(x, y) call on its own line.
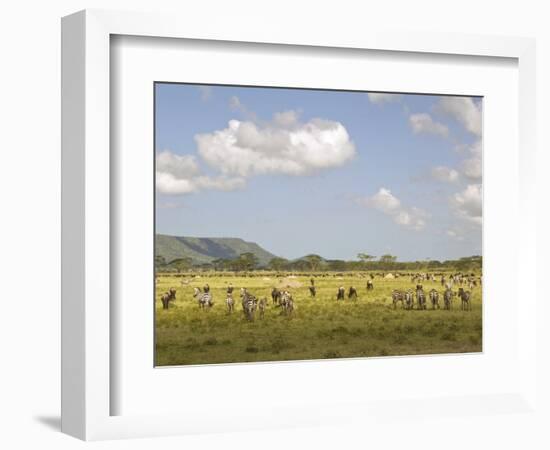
point(328, 172)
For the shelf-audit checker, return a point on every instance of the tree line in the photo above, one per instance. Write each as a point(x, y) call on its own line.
point(246, 262)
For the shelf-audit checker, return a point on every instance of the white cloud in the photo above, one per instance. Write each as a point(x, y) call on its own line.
point(455, 234)
point(463, 109)
point(386, 202)
point(181, 166)
point(468, 203)
point(445, 174)
point(471, 168)
point(423, 123)
point(178, 175)
point(379, 98)
point(206, 93)
point(282, 146)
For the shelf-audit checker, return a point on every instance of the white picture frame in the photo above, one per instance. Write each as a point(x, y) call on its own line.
point(87, 386)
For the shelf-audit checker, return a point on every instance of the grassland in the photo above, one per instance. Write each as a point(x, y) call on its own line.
point(319, 328)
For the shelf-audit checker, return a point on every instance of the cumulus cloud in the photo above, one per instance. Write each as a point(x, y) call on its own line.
point(423, 123)
point(445, 174)
point(282, 146)
point(471, 167)
point(468, 204)
point(384, 201)
point(379, 98)
point(180, 174)
point(463, 109)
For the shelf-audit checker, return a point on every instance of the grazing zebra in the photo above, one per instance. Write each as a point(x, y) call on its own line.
point(261, 307)
point(448, 299)
point(370, 285)
point(465, 297)
point(397, 296)
point(434, 298)
point(276, 296)
point(341, 293)
point(172, 293)
point(408, 299)
point(352, 293)
point(312, 291)
point(420, 297)
point(230, 303)
point(204, 298)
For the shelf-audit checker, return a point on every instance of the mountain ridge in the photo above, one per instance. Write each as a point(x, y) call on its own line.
point(206, 249)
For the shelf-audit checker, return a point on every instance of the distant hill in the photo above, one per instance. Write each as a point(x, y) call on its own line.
point(205, 250)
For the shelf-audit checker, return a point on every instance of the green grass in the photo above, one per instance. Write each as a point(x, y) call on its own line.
point(320, 328)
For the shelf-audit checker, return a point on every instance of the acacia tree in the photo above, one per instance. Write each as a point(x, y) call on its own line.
point(313, 261)
point(278, 263)
point(248, 261)
point(181, 264)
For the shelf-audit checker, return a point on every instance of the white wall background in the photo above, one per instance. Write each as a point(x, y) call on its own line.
point(30, 196)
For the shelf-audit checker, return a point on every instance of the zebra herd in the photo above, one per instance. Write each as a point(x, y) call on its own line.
point(407, 298)
point(282, 298)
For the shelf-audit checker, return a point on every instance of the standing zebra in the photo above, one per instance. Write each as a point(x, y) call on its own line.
point(397, 296)
point(287, 303)
point(312, 291)
point(352, 293)
point(408, 299)
point(420, 297)
point(276, 296)
point(261, 307)
point(434, 298)
point(249, 303)
point(370, 285)
point(230, 303)
point(204, 298)
point(448, 299)
point(465, 297)
point(341, 293)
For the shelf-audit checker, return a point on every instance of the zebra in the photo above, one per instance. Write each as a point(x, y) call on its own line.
point(165, 299)
point(261, 306)
point(312, 290)
point(249, 303)
point(397, 296)
point(370, 285)
point(230, 303)
point(287, 303)
point(448, 299)
point(434, 298)
point(352, 293)
point(276, 296)
point(341, 293)
point(204, 298)
point(465, 297)
point(408, 299)
point(420, 297)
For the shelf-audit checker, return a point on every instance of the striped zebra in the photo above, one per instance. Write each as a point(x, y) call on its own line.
point(408, 299)
point(420, 297)
point(287, 303)
point(341, 293)
point(352, 293)
point(204, 298)
point(249, 303)
point(434, 298)
point(261, 307)
point(465, 297)
point(370, 285)
point(230, 303)
point(448, 299)
point(397, 296)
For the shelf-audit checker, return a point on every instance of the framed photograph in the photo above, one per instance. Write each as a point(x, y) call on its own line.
point(270, 229)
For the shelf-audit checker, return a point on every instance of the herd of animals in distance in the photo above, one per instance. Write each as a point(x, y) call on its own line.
point(282, 298)
point(228, 317)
